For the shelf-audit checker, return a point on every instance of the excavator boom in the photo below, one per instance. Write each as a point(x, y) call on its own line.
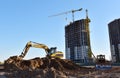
point(50, 52)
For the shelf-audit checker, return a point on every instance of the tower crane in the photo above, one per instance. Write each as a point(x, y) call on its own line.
point(72, 11)
point(87, 20)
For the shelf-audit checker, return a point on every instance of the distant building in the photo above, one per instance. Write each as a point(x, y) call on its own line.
point(114, 35)
point(76, 41)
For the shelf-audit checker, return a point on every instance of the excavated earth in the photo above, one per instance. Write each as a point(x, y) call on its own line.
point(52, 68)
point(43, 68)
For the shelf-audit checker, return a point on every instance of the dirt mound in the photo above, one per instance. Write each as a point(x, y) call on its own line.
point(16, 63)
point(41, 68)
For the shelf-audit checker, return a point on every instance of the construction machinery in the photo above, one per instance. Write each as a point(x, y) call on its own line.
point(51, 53)
point(72, 11)
point(17, 62)
point(90, 53)
point(102, 63)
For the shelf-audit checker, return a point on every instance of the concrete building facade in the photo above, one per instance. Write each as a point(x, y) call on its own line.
point(114, 36)
point(76, 43)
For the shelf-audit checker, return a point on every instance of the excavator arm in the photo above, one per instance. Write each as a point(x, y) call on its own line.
point(33, 44)
point(51, 53)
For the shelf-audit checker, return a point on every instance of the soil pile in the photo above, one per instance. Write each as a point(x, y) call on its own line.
point(43, 68)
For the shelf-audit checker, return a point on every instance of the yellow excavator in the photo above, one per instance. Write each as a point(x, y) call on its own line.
point(51, 53)
point(16, 62)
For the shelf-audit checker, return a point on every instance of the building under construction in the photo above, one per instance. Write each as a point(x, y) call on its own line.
point(77, 41)
point(114, 35)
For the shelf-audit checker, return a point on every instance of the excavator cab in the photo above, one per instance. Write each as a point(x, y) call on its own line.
point(53, 53)
point(52, 50)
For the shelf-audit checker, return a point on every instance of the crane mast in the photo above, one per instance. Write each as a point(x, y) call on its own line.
point(87, 21)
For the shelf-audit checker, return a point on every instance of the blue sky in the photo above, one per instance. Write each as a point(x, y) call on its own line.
point(27, 20)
